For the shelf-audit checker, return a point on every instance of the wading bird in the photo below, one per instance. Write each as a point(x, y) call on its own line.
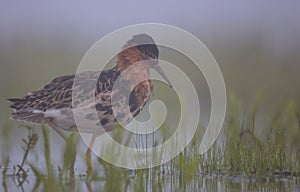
point(54, 103)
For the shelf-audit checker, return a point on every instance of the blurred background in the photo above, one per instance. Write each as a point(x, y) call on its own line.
point(256, 44)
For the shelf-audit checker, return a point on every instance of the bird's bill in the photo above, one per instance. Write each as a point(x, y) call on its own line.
point(157, 68)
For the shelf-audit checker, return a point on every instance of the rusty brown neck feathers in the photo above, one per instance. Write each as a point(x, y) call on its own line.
point(132, 56)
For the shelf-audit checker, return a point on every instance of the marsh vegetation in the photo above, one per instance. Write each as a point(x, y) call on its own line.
point(245, 157)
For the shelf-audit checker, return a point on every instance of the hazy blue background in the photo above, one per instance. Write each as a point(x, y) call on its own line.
point(255, 43)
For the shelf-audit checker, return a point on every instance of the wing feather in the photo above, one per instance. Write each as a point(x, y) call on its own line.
point(58, 93)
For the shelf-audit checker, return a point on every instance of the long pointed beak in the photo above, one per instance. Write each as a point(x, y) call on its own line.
point(157, 68)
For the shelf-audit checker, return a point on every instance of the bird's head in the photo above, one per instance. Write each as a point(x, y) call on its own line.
point(141, 47)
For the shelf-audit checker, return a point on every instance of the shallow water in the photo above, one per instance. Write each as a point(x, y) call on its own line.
point(116, 179)
point(161, 182)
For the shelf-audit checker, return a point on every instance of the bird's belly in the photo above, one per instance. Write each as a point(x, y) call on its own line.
point(100, 117)
point(62, 118)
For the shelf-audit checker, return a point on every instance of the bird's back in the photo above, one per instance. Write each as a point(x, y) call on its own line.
point(57, 94)
point(56, 100)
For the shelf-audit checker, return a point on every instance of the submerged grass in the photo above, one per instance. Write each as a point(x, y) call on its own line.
point(29, 143)
point(51, 181)
point(245, 147)
point(252, 149)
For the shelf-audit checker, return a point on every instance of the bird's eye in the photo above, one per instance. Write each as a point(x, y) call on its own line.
point(150, 55)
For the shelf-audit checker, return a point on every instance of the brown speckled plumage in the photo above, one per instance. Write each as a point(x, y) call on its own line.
point(56, 96)
point(54, 103)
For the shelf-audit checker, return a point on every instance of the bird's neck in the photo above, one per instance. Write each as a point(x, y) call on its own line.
point(132, 66)
point(128, 57)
